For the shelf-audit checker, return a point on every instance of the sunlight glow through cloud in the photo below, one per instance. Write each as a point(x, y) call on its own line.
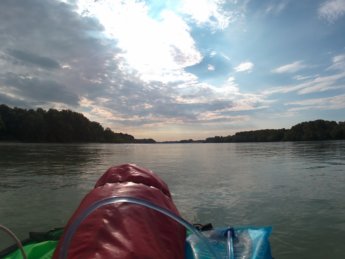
point(157, 49)
point(207, 12)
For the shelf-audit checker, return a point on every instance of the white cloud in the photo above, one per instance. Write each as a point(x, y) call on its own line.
point(219, 117)
point(319, 87)
point(317, 84)
point(228, 98)
point(331, 10)
point(301, 78)
point(276, 8)
point(321, 84)
point(312, 83)
point(289, 68)
point(240, 101)
point(245, 66)
point(338, 62)
point(207, 12)
point(210, 67)
point(213, 53)
point(327, 103)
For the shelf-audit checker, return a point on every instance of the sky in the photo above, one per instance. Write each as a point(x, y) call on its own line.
point(176, 69)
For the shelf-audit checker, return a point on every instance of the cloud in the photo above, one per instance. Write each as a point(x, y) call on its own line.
point(215, 117)
point(332, 10)
point(289, 68)
point(157, 49)
point(161, 87)
point(126, 77)
point(313, 85)
point(61, 52)
point(210, 67)
point(327, 103)
point(301, 78)
point(213, 68)
point(11, 100)
point(37, 90)
point(207, 12)
point(34, 59)
point(276, 8)
point(338, 62)
point(245, 66)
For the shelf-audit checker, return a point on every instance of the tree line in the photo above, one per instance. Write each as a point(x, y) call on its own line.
point(305, 131)
point(64, 126)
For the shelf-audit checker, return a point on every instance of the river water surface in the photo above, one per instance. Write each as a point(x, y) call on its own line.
point(298, 188)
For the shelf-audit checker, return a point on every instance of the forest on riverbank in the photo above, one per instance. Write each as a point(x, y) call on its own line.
point(305, 131)
point(64, 126)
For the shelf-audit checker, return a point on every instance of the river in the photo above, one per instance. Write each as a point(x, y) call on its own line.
point(298, 188)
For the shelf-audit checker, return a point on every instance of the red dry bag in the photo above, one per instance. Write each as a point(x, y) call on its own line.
point(125, 230)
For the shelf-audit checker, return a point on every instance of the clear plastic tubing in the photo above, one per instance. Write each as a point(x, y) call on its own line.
point(72, 229)
point(230, 245)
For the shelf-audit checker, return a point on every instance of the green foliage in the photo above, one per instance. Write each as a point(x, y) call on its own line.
point(305, 131)
point(145, 141)
point(54, 126)
point(112, 137)
point(2, 126)
point(314, 130)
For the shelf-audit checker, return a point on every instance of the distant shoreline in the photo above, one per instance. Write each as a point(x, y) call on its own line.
point(65, 126)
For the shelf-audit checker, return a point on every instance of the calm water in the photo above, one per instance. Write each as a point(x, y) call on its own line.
point(298, 188)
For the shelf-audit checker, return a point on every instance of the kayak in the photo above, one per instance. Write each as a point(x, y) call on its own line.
point(130, 214)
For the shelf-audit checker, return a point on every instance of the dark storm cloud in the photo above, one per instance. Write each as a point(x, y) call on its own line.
point(43, 24)
point(189, 111)
point(48, 34)
point(157, 103)
point(34, 59)
point(39, 90)
point(4, 99)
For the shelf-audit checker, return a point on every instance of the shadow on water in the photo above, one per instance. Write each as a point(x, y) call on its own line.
point(41, 184)
point(49, 156)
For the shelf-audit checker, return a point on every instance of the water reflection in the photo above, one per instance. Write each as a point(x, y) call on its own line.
point(329, 152)
point(295, 187)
